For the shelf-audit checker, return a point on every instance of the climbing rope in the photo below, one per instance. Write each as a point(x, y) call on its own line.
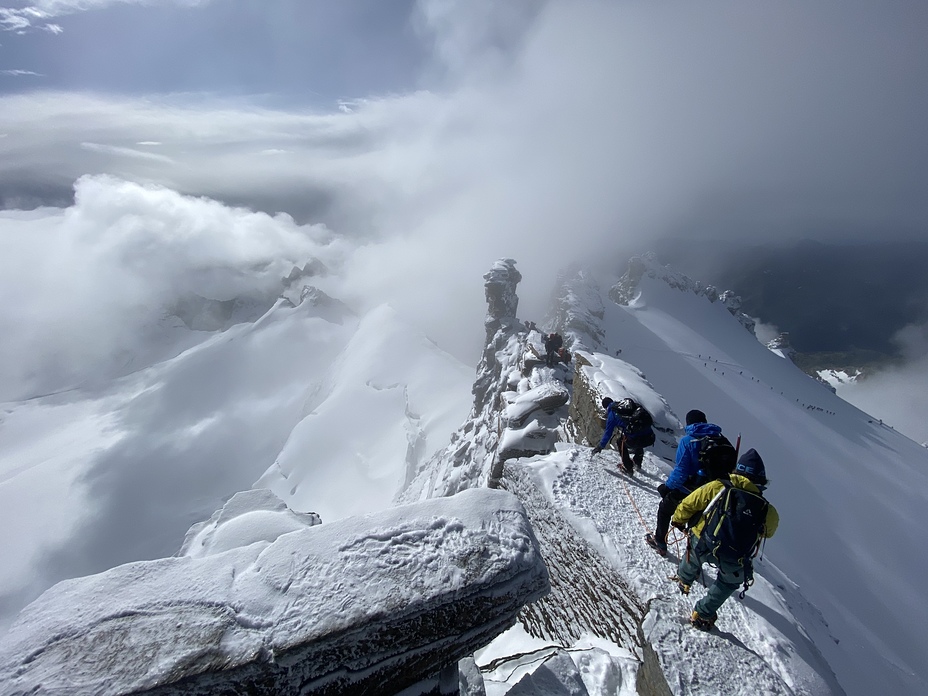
point(634, 505)
point(677, 538)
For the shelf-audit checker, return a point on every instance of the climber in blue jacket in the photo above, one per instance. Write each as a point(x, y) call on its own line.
point(634, 423)
point(687, 474)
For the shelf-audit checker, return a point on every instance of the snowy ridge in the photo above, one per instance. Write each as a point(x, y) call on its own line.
point(611, 605)
point(695, 356)
point(626, 289)
point(473, 454)
point(760, 637)
point(795, 629)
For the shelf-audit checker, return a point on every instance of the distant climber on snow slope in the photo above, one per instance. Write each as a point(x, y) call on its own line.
point(635, 433)
point(702, 447)
point(732, 518)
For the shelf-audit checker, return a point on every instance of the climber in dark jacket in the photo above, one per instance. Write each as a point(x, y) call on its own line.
point(683, 479)
point(553, 343)
point(634, 423)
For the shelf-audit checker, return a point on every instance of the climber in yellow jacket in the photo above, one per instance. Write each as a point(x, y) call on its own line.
point(726, 519)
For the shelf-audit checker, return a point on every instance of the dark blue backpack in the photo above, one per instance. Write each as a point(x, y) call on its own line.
point(735, 520)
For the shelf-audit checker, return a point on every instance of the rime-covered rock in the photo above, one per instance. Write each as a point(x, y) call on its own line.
point(517, 401)
point(781, 346)
point(500, 287)
point(501, 326)
point(371, 604)
point(547, 397)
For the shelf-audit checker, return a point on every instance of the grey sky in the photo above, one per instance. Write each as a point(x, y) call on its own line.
point(793, 117)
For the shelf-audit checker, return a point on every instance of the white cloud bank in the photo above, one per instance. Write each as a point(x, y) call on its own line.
point(898, 395)
point(85, 287)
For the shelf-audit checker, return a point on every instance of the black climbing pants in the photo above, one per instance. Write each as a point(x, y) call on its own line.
point(632, 456)
point(670, 499)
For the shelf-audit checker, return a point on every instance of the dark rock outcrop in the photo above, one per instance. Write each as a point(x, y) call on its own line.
point(501, 326)
point(587, 418)
point(515, 411)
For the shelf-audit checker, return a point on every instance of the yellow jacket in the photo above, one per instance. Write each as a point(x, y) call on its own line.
point(699, 500)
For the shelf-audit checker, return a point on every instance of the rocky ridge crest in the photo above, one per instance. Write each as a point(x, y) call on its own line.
point(626, 289)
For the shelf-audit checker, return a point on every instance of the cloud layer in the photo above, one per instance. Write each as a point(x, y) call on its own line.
point(572, 130)
point(85, 290)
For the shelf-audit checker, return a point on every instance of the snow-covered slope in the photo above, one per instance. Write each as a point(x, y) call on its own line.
point(822, 618)
point(390, 392)
point(91, 478)
point(848, 489)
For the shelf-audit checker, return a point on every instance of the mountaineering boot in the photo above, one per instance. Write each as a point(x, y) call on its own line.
point(701, 622)
point(683, 587)
point(658, 546)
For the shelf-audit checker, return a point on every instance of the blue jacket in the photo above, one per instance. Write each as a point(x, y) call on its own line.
point(687, 463)
point(613, 421)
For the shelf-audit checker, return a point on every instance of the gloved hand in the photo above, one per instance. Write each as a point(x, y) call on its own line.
point(678, 525)
point(597, 449)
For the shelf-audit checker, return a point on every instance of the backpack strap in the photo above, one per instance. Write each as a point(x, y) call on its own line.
point(726, 485)
point(708, 509)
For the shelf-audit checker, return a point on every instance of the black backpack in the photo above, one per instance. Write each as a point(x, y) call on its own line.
point(639, 420)
point(717, 457)
point(735, 520)
point(639, 425)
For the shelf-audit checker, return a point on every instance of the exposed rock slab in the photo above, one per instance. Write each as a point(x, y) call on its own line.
point(371, 604)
